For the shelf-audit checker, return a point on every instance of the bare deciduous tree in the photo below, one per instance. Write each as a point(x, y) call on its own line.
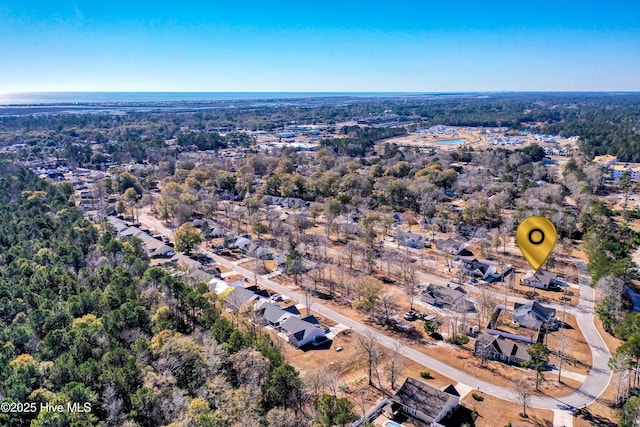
point(395, 366)
point(410, 282)
point(368, 346)
point(523, 390)
point(388, 305)
point(620, 364)
point(564, 344)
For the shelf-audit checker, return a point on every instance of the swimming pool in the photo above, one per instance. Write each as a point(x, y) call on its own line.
point(392, 424)
point(451, 141)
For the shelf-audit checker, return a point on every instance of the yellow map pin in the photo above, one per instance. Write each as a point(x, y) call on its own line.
point(536, 236)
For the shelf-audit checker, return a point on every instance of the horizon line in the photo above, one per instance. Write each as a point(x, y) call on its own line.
point(325, 92)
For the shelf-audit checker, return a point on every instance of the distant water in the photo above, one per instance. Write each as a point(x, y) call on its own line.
point(70, 98)
point(451, 141)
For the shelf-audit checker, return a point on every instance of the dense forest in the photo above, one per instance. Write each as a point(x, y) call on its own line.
point(86, 320)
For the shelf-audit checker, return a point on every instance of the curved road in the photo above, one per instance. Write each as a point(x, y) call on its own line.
point(594, 384)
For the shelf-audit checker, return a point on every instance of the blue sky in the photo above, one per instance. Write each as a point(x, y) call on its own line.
point(403, 46)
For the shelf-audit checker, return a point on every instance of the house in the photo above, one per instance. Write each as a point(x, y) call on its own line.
point(280, 262)
point(482, 268)
point(157, 249)
point(534, 315)
point(541, 279)
point(301, 331)
point(425, 222)
point(448, 298)
point(470, 232)
point(498, 348)
point(423, 402)
point(273, 315)
point(239, 297)
point(449, 246)
point(260, 250)
point(118, 224)
point(285, 202)
point(218, 285)
point(412, 240)
point(219, 232)
point(241, 243)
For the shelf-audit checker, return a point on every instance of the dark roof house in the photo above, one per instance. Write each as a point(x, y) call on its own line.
point(274, 315)
point(301, 331)
point(412, 240)
point(470, 232)
point(424, 402)
point(541, 279)
point(498, 348)
point(534, 315)
point(449, 246)
point(447, 298)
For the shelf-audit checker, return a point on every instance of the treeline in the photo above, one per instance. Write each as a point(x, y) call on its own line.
point(604, 129)
point(85, 319)
point(359, 140)
point(204, 141)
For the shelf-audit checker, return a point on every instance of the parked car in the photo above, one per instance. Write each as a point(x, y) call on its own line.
point(339, 348)
point(410, 315)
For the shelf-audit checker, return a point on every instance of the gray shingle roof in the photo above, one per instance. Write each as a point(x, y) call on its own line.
point(239, 296)
point(297, 327)
point(273, 313)
point(448, 298)
point(541, 312)
point(422, 397)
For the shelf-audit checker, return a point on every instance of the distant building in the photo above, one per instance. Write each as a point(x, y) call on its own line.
point(285, 202)
point(616, 169)
point(605, 161)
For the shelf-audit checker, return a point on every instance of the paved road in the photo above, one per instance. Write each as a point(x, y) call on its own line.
point(593, 386)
